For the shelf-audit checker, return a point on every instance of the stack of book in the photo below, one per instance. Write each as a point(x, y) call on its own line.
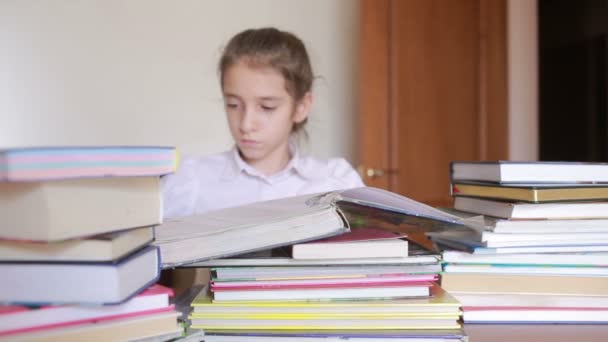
point(328, 282)
point(76, 226)
point(537, 245)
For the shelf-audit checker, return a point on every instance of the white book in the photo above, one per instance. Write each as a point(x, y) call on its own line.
point(520, 210)
point(479, 315)
point(529, 172)
point(589, 259)
point(422, 290)
point(527, 269)
point(269, 224)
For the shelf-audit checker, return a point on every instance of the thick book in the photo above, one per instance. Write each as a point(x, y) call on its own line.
point(71, 208)
point(20, 319)
point(287, 221)
point(98, 248)
point(361, 242)
point(34, 164)
point(38, 283)
point(532, 193)
point(529, 172)
point(521, 210)
point(525, 284)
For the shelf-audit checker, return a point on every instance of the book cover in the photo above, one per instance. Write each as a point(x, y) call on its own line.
point(35, 164)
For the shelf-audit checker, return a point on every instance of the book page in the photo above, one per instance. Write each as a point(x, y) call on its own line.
point(386, 200)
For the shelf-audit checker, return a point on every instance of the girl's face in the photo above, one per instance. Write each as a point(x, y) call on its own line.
point(261, 114)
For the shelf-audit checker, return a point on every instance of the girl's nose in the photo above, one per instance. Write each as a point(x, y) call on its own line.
point(248, 121)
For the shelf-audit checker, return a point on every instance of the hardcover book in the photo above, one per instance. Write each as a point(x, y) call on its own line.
point(265, 225)
point(34, 164)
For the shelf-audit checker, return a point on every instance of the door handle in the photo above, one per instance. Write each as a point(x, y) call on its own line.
point(371, 172)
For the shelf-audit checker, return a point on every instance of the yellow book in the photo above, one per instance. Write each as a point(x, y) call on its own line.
point(533, 193)
point(440, 302)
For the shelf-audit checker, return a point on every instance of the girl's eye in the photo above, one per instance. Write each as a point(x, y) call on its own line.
point(268, 108)
point(232, 105)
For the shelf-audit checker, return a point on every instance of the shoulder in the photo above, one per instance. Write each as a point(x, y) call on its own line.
point(338, 170)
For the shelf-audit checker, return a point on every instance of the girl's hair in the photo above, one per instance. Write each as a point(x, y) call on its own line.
point(270, 47)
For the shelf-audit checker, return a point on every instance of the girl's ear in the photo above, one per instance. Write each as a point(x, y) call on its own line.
point(303, 108)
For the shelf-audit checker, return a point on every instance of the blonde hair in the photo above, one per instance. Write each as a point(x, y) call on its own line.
point(280, 50)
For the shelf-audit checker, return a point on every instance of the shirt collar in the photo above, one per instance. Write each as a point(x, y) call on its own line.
point(236, 165)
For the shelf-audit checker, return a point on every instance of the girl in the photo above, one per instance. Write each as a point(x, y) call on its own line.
point(266, 80)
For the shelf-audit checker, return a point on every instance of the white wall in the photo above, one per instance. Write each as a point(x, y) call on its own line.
point(523, 79)
point(144, 71)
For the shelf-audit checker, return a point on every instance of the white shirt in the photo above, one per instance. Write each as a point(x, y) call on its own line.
point(225, 180)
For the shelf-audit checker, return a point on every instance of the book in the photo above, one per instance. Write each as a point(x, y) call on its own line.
point(525, 284)
point(38, 283)
point(468, 241)
point(287, 221)
point(353, 335)
point(317, 292)
point(27, 319)
point(322, 281)
point(520, 210)
point(532, 193)
point(529, 172)
point(35, 164)
point(299, 272)
point(140, 328)
point(244, 322)
point(98, 248)
point(581, 259)
point(528, 269)
point(534, 315)
point(439, 302)
point(65, 209)
point(497, 225)
point(361, 242)
point(530, 301)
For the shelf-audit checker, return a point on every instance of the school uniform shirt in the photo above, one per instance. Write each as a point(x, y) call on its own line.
point(225, 180)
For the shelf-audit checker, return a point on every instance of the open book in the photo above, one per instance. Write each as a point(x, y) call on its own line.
point(269, 224)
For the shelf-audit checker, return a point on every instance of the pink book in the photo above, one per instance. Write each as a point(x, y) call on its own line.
point(19, 319)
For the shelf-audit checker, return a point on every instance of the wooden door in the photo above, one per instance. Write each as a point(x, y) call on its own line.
point(432, 89)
